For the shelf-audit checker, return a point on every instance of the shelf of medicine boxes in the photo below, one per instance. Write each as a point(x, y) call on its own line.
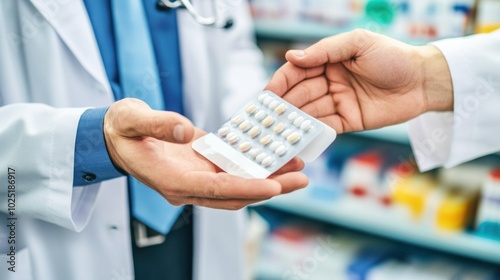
point(374, 218)
point(294, 30)
point(309, 31)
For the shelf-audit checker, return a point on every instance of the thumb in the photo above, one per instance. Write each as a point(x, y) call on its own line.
point(331, 50)
point(134, 118)
point(166, 126)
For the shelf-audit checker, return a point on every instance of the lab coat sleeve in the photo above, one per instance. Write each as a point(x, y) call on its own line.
point(472, 130)
point(38, 142)
point(245, 72)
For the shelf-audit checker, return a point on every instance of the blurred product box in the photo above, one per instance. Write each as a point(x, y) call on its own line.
point(361, 174)
point(413, 192)
point(445, 200)
point(488, 216)
point(488, 16)
point(455, 209)
point(413, 20)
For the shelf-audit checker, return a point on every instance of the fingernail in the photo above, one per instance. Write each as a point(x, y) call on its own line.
point(178, 133)
point(299, 53)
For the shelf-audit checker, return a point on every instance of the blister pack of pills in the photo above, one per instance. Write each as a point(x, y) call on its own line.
point(263, 136)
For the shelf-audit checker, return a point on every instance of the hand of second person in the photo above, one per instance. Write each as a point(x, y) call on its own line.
point(141, 141)
point(361, 80)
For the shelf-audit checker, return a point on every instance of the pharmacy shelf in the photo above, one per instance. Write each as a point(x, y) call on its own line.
point(367, 216)
point(293, 30)
point(309, 31)
point(396, 133)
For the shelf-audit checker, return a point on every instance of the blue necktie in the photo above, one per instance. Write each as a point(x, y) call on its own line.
point(139, 79)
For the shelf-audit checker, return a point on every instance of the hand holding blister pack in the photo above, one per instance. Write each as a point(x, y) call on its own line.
point(263, 136)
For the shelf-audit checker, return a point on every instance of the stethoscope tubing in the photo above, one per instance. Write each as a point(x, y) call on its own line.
point(207, 21)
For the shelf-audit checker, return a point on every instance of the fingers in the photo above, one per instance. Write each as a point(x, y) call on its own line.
point(231, 194)
point(289, 75)
point(166, 126)
point(295, 164)
point(321, 107)
point(233, 204)
point(291, 181)
point(335, 122)
point(307, 91)
point(227, 187)
point(224, 186)
point(333, 49)
point(162, 125)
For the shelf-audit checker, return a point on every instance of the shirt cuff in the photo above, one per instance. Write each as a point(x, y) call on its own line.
point(91, 162)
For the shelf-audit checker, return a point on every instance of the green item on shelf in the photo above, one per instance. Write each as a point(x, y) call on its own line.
point(381, 11)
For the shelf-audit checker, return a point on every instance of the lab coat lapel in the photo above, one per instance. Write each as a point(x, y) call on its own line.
point(70, 20)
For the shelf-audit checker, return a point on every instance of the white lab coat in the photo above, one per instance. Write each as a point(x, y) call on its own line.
point(49, 55)
point(473, 129)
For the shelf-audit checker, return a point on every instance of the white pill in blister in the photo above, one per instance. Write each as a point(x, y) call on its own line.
point(279, 127)
point(223, 131)
point(232, 138)
point(273, 104)
point(251, 109)
point(274, 145)
point(245, 125)
point(245, 146)
point(281, 150)
point(268, 100)
point(262, 97)
point(298, 121)
point(260, 115)
point(306, 125)
point(293, 138)
point(265, 140)
point(236, 120)
point(267, 161)
point(286, 133)
point(268, 121)
point(292, 116)
point(254, 152)
point(254, 132)
point(261, 157)
point(280, 109)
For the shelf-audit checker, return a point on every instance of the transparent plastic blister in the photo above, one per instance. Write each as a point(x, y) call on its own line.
point(264, 135)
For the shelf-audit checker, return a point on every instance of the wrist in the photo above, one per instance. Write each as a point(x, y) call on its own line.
point(109, 133)
point(437, 84)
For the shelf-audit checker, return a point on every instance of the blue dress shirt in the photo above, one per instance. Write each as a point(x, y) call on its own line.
point(92, 162)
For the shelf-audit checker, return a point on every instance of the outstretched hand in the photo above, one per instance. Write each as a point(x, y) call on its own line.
point(361, 80)
point(150, 146)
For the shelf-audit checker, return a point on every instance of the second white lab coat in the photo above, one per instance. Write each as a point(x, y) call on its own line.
point(473, 129)
point(49, 55)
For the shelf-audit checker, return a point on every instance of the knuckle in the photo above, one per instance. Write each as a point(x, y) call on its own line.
point(211, 191)
point(362, 38)
point(156, 127)
point(214, 187)
point(360, 32)
point(130, 104)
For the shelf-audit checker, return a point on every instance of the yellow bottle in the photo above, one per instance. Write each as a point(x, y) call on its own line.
point(413, 192)
point(455, 210)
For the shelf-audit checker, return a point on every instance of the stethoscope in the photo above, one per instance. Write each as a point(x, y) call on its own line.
point(214, 20)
